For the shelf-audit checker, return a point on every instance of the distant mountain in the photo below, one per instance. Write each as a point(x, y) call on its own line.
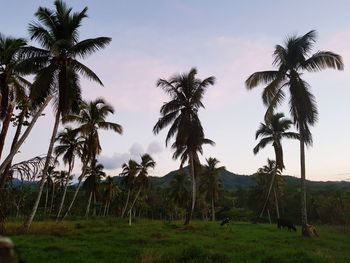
point(232, 181)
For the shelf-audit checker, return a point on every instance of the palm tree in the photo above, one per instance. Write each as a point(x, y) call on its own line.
point(19, 121)
point(92, 117)
point(111, 190)
point(178, 191)
point(129, 172)
point(70, 146)
point(92, 182)
point(58, 33)
point(291, 60)
point(181, 113)
point(142, 180)
point(265, 175)
point(211, 182)
point(273, 131)
point(13, 86)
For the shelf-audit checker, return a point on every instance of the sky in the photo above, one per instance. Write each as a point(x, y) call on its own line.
point(226, 39)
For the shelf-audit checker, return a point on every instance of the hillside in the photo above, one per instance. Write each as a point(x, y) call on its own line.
point(231, 181)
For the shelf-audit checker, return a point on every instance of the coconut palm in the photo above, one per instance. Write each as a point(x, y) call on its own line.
point(70, 146)
point(91, 118)
point(141, 179)
point(57, 31)
point(291, 60)
point(94, 175)
point(181, 113)
point(13, 86)
point(179, 191)
point(211, 182)
point(273, 131)
point(129, 173)
point(265, 175)
point(20, 120)
point(111, 190)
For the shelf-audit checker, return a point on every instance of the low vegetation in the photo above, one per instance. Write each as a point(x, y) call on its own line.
point(110, 240)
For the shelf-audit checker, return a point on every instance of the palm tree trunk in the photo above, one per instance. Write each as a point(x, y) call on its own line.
point(10, 156)
point(88, 205)
point(132, 205)
point(304, 229)
point(269, 191)
point(46, 197)
point(276, 204)
point(190, 214)
point(76, 190)
point(212, 209)
point(105, 209)
point(65, 191)
point(94, 211)
point(44, 173)
point(52, 198)
point(107, 212)
point(126, 203)
point(14, 141)
point(5, 127)
point(268, 215)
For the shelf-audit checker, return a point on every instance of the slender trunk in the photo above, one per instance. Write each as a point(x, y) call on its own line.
point(212, 209)
point(190, 214)
point(65, 190)
point(52, 198)
point(5, 127)
point(276, 204)
point(109, 202)
point(105, 209)
point(94, 211)
point(268, 214)
point(46, 197)
point(132, 205)
point(269, 191)
point(44, 173)
point(10, 156)
point(304, 229)
point(88, 205)
point(126, 203)
point(76, 190)
point(14, 141)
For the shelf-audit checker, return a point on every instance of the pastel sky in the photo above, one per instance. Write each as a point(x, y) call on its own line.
point(226, 39)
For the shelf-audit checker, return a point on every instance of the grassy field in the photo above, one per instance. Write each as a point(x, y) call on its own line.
point(113, 240)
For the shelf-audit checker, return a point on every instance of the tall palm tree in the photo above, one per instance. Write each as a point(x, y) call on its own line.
point(181, 113)
point(111, 190)
point(91, 118)
point(265, 176)
point(142, 180)
point(273, 131)
point(70, 146)
point(129, 173)
point(13, 86)
point(211, 181)
point(94, 175)
point(20, 120)
point(291, 60)
point(57, 31)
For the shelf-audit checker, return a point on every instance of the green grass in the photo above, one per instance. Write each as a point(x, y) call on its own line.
point(112, 240)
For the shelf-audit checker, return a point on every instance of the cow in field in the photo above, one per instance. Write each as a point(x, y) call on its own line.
point(225, 221)
point(282, 223)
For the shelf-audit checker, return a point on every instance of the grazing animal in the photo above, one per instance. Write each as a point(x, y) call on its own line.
point(282, 223)
point(311, 230)
point(225, 221)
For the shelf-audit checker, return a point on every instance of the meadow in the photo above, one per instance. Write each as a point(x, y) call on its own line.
point(146, 241)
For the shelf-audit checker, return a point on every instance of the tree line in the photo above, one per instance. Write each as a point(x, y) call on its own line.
point(57, 69)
